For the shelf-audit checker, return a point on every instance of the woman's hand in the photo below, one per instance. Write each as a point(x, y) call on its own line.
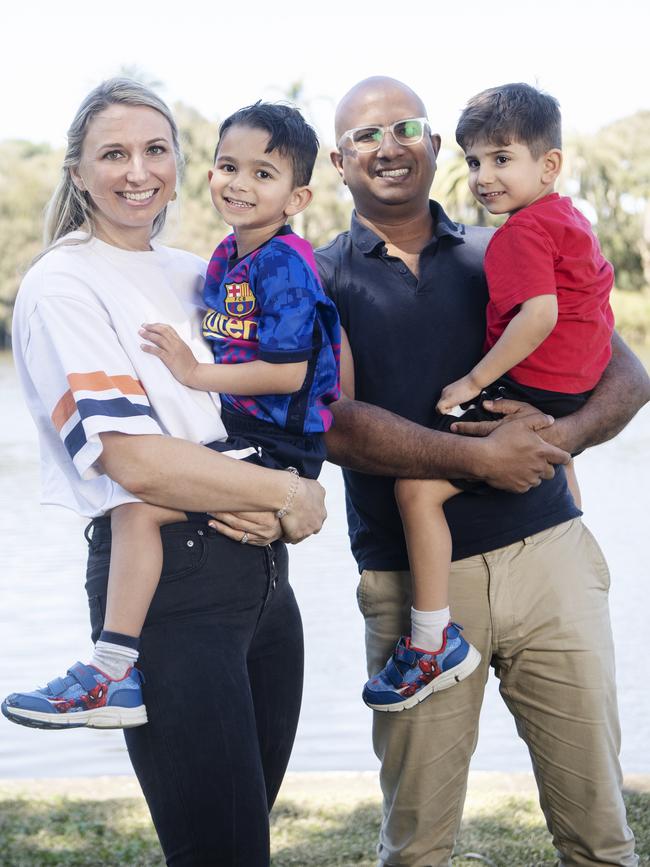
point(174, 353)
point(261, 528)
point(307, 513)
point(251, 528)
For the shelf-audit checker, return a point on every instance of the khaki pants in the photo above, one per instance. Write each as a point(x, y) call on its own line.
point(537, 611)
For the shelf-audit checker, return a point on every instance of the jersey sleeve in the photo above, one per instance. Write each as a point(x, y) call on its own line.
point(83, 377)
point(519, 265)
point(288, 298)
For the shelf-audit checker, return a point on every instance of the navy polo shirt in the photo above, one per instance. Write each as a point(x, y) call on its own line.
point(410, 337)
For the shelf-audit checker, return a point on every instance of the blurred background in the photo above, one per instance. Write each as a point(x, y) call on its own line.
point(207, 61)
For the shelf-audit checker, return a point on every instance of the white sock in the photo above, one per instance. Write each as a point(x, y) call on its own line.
point(113, 659)
point(427, 627)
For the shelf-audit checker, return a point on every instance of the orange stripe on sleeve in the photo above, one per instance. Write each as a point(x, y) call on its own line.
point(97, 380)
point(65, 408)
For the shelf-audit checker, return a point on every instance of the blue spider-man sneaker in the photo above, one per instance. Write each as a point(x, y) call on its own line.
point(411, 674)
point(85, 697)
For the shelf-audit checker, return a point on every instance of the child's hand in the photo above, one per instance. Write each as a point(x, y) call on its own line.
point(170, 349)
point(456, 393)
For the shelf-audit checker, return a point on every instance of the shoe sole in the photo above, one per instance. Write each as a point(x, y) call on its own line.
point(99, 718)
point(444, 681)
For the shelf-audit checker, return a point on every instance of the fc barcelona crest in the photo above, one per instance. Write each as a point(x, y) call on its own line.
point(240, 300)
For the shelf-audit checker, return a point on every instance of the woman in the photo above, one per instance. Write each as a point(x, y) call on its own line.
point(221, 649)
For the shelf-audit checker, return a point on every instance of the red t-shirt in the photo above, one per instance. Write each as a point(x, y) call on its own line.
point(548, 248)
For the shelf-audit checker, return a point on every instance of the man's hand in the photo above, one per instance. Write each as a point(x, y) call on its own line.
point(511, 410)
point(516, 457)
point(174, 353)
point(305, 518)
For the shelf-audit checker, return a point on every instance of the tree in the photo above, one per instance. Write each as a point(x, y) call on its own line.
point(610, 171)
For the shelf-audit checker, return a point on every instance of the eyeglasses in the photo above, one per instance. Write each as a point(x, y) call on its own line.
point(407, 132)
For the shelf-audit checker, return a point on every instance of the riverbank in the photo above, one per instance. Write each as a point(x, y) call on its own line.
point(321, 820)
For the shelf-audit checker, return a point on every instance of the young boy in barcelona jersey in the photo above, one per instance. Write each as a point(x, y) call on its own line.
point(276, 341)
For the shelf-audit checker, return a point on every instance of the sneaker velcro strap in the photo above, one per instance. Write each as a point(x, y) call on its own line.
point(57, 686)
point(403, 654)
point(393, 673)
point(82, 674)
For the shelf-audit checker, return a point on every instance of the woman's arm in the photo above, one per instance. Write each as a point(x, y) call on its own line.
point(181, 475)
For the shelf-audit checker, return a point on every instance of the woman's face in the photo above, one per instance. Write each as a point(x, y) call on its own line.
point(128, 167)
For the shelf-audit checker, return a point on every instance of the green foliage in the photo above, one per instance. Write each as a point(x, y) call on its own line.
point(28, 174)
point(610, 172)
point(607, 174)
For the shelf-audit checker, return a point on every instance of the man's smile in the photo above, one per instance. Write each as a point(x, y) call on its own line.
point(393, 173)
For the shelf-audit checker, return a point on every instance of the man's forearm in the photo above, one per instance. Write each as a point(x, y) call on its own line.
point(373, 440)
point(623, 389)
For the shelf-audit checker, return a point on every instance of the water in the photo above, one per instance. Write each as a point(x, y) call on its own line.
point(44, 618)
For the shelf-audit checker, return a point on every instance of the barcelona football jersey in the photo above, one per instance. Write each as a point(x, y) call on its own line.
point(269, 305)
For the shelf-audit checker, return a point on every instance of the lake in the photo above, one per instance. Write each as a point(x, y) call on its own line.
point(44, 619)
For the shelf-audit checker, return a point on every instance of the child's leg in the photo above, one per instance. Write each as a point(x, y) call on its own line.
point(437, 656)
point(572, 482)
point(136, 563)
point(428, 539)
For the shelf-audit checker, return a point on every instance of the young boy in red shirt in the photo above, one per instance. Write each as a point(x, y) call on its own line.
point(549, 326)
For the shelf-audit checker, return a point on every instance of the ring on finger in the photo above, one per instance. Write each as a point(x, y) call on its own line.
point(244, 539)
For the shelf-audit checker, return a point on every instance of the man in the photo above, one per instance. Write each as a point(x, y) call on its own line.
point(528, 582)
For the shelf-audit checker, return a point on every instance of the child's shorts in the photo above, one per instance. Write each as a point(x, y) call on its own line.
point(273, 447)
point(553, 403)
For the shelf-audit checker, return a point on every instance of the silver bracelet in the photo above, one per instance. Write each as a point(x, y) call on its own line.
point(290, 494)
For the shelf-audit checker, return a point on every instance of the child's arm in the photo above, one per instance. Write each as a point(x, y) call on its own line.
point(525, 331)
point(249, 377)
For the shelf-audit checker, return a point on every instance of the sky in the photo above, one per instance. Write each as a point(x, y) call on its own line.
point(220, 56)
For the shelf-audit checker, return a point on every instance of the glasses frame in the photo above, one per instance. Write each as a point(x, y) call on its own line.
point(384, 129)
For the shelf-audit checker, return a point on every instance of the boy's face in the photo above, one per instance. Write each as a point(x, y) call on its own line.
point(253, 190)
point(506, 178)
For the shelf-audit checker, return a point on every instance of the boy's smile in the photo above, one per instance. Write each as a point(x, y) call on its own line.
point(253, 190)
point(506, 178)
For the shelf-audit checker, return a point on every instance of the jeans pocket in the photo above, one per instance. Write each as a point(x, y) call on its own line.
point(184, 551)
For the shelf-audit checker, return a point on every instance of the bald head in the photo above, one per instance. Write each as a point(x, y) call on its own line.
point(378, 91)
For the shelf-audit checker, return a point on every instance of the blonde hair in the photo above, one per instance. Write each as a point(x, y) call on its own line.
point(70, 208)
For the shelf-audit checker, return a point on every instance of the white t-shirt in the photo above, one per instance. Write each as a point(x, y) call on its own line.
point(83, 372)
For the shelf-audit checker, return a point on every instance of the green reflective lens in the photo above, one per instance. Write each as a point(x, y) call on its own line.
point(409, 129)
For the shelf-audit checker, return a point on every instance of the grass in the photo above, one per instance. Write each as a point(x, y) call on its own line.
point(321, 820)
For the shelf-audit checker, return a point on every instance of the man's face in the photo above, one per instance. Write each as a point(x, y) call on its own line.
point(395, 180)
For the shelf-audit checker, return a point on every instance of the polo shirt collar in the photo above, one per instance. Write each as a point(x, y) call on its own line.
point(368, 242)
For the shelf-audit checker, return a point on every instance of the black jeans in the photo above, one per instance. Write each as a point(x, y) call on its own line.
point(222, 656)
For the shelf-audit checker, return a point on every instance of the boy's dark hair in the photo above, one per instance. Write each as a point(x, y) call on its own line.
point(512, 112)
point(289, 133)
